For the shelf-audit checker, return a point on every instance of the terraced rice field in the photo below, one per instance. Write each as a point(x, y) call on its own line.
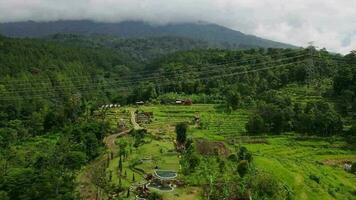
point(312, 168)
point(215, 122)
point(296, 162)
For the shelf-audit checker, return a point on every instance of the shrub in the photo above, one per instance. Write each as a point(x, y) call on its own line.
point(255, 125)
point(242, 168)
point(315, 178)
point(265, 186)
point(4, 196)
point(181, 132)
point(353, 168)
point(352, 130)
point(138, 136)
point(232, 157)
point(190, 160)
point(155, 196)
point(244, 154)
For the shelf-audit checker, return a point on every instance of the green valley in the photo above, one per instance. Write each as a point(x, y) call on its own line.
point(106, 118)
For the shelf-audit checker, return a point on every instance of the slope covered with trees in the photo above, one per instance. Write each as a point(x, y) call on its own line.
point(50, 90)
point(142, 50)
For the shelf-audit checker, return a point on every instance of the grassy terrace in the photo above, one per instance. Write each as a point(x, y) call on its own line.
point(295, 161)
point(216, 122)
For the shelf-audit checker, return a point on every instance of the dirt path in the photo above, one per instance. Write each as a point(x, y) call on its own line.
point(109, 141)
point(86, 188)
point(133, 121)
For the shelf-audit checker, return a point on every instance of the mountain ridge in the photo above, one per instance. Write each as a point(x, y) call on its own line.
point(209, 32)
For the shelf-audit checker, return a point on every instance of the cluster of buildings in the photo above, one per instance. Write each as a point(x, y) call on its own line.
point(110, 106)
point(177, 101)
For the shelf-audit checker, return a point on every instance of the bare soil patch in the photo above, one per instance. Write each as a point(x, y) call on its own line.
point(206, 147)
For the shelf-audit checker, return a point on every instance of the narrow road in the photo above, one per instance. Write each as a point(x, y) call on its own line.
point(135, 125)
point(109, 141)
point(86, 188)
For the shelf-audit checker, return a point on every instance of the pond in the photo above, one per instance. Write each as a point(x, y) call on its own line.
point(165, 174)
point(162, 187)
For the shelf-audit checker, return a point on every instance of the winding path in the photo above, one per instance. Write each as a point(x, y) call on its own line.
point(86, 188)
point(135, 125)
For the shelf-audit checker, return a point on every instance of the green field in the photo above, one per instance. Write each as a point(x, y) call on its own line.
point(293, 160)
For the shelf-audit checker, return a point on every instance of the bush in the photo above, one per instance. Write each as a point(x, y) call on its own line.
point(353, 168)
point(255, 125)
point(4, 196)
point(138, 135)
point(244, 154)
point(155, 196)
point(181, 132)
point(265, 186)
point(189, 161)
point(242, 168)
point(352, 131)
point(323, 119)
point(232, 158)
point(315, 178)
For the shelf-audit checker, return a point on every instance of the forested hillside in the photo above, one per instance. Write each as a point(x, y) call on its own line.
point(52, 122)
point(91, 68)
point(142, 50)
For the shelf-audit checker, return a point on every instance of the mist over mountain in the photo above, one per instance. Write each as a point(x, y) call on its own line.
point(212, 33)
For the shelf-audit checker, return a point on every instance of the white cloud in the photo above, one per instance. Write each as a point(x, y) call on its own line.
point(329, 23)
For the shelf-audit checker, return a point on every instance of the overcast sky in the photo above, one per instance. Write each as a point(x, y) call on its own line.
point(329, 23)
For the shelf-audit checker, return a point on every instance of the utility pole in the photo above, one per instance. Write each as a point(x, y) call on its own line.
point(310, 69)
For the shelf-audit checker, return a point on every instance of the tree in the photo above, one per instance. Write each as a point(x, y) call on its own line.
point(189, 161)
point(128, 193)
point(7, 136)
point(138, 136)
point(244, 154)
point(233, 99)
point(181, 132)
point(323, 119)
point(255, 124)
point(36, 123)
point(91, 145)
point(19, 127)
point(51, 120)
point(19, 182)
point(120, 166)
point(353, 168)
point(74, 159)
point(122, 148)
point(133, 177)
point(242, 168)
point(265, 186)
point(352, 130)
point(4, 196)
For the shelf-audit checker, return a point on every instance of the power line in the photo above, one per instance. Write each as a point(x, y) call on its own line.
point(118, 84)
point(238, 73)
point(129, 82)
point(144, 72)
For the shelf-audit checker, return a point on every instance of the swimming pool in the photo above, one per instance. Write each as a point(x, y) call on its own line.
point(165, 174)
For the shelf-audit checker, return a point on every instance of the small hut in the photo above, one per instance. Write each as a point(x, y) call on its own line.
point(347, 167)
point(139, 103)
point(179, 101)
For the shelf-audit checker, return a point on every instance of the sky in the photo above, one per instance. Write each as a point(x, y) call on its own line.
point(330, 24)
